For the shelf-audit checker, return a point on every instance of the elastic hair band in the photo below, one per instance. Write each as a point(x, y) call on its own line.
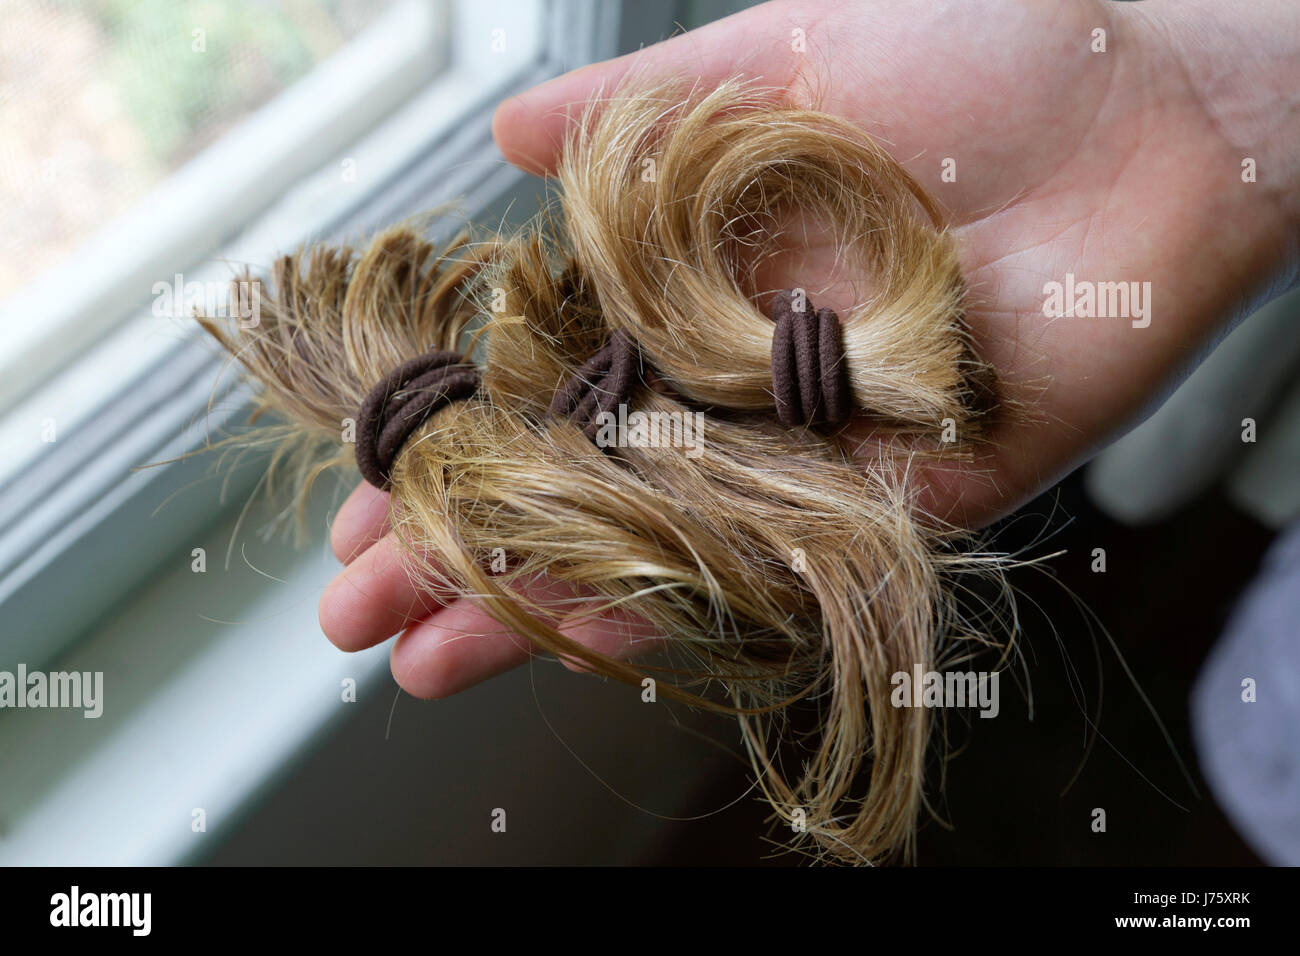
point(809, 377)
point(402, 402)
point(604, 382)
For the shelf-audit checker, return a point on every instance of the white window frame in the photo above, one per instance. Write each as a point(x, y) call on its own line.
point(217, 194)
point(80, 520)
point(79, 526)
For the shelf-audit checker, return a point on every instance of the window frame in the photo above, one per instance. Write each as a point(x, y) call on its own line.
point(82, 523)
point(192, 212)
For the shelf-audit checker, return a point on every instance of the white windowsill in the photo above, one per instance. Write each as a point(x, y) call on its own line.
point(197, 714)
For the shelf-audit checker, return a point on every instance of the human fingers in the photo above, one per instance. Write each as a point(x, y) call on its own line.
point(374, 597)
point(361, 521)
point(462, 645)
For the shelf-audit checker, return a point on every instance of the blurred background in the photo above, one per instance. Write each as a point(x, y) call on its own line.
point(107, 98)
point(147, 147)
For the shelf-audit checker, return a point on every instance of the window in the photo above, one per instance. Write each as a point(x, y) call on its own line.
point(266, 123)
point(175, 121)
point(99, 375)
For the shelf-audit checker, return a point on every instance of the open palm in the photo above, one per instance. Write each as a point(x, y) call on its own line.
point(1113, 166)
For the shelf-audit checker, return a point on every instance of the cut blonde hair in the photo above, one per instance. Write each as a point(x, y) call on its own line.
point(780, 565)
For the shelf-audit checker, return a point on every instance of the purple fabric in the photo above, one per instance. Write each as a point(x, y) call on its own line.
point(1250, 750)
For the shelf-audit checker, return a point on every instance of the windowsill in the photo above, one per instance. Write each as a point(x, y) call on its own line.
point(212, 683)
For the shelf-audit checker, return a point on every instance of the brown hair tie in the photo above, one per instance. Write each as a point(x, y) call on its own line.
point(604, 382)
point(402, 402)
point(809, 375)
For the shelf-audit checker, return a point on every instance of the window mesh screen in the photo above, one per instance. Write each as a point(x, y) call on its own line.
point(101, 99)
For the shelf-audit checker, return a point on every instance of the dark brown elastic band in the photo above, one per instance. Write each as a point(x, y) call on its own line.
point(604, 382)
point(403, 402)
point(809, 375)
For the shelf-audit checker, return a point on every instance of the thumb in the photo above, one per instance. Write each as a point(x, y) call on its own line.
point(530, 128)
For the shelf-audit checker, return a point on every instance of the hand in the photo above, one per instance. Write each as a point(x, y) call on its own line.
point(1116, 166)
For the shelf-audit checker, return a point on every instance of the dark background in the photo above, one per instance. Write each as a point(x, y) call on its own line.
point(422, 790)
